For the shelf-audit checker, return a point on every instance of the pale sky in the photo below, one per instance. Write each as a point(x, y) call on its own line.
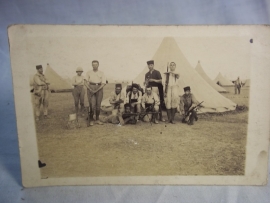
point(125, 57)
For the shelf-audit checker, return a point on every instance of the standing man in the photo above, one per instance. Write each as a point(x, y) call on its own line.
point(187, 102)
point(151, 99)
point(171, 92)
point(117, 98)
point(237, 86)
point(153, 78)
point(95, 81)
point(41, 92)
point(78, 91)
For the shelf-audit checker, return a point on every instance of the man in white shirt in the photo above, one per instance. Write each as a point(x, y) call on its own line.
point(117, 98)
point(134, 98)
point(78, 91)
point(95, 81)
point(171, 92)
point(41, 92)
point(151, 98)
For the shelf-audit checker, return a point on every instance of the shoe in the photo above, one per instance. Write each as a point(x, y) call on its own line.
point(172, 122)
point(91, 123)
point(196, 118)
point(99, 122)
point(190, 123)
point(156, 122)
point(162, 119)
point(46, 117)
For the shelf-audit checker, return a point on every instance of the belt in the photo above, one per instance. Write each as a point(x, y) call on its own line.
point(91, 83)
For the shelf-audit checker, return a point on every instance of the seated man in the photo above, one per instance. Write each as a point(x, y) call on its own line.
point(134, 98)
point(117, 98)
point(187, 102)
point(151, 102)
point(128, 117)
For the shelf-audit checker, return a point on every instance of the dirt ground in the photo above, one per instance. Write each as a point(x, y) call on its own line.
point(215, 145)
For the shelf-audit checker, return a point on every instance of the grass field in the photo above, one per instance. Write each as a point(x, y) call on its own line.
point(215, 145)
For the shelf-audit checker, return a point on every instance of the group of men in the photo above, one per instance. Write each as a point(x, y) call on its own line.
point(129, 107)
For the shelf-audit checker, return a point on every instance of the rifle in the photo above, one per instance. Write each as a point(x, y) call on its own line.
point(188, 114)
point(167, 80)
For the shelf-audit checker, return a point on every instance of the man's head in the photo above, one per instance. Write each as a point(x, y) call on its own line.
point(150, 65)
point(187, 90)
point(127, 108)
point(135, 88)
point(172, 66)
point(39, 69)
point(118, 88)
point(95, 65)
point(148, 90)
point(79, 71)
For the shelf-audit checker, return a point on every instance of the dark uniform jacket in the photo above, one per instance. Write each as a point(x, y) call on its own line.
point(187, 101)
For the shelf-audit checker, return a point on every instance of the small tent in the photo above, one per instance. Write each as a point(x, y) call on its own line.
point(169, 51)
point(200, 70)
point(222, 81)
point(57, 83)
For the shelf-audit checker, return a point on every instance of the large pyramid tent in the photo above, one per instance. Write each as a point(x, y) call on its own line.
point(200, 70)
point(57, 83)
point(222, 81)
point(169, 51)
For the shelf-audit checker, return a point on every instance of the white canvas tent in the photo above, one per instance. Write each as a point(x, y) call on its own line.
point(169, 51)
point(222, 81)
point(200, 70)
point(57, 83)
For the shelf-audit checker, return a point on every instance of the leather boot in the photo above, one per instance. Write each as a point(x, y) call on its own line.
point(82, 110)
point(191, 119)
point(160, 114)
point(169, 115)
point(173, 115)
point(155, 116)
point(97, 117)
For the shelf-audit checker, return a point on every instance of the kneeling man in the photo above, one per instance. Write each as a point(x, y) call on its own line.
point(117, 98)
point(151, 102)
point(187, 103)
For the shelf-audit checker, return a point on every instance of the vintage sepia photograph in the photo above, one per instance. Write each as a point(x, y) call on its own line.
point(108, 101)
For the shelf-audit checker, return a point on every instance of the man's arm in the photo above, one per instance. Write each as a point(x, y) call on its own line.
point(158, 80)
point(194, 102)
point(102, 85)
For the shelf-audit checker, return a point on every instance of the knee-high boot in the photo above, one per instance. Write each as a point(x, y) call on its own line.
point(173, 115)
point(169, 115)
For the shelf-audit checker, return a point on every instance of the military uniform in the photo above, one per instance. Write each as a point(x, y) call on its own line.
point(41, 92)
point(237, 86)
point(78, 91)
point(172, 94)
point(117, 97)
point(156, 87)
point(134, 100)
point(148, 100)
point(186, 102)
point(95, 80)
